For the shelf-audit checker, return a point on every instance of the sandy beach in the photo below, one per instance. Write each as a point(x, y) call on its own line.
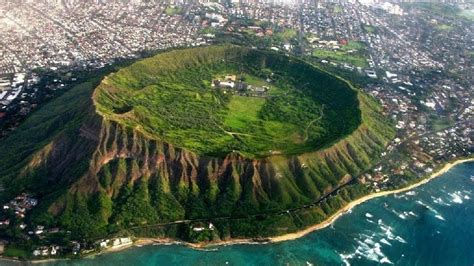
point(354, 203)
point(327, 222)
point(287, 237)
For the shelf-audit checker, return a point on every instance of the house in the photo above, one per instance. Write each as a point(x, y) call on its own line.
point(125, 240)
point(260, 89)
point(116, 242)
point(54, 250)
point(227, 84)
point(104, 243)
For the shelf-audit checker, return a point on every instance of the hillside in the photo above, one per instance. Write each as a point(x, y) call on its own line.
point(114, 163)
point(172, 97)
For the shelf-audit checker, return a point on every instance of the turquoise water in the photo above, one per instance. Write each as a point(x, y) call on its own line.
point(431, 225)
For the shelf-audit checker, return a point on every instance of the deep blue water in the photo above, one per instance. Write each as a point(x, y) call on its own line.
point(431, 225)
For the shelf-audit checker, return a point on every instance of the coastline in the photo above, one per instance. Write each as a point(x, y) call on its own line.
point(139, 242)
point(330, 220)
point(352, 204)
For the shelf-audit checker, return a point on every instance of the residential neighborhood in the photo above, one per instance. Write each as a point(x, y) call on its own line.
point(418, 64)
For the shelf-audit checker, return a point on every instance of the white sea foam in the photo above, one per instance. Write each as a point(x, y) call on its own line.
point(385, 241)
point(400, 215)
point(456, 197)
point(420, 202)
point(411, 193)
point(440, 201)
point(412, 214)
point(466, 197)
point(371, 251)
point(387, 231)
point(377, 250)
point(369, 241)
point(400, 239)
point(433, 210)
point(400, 196)
point(385, 260)
point(346, 257)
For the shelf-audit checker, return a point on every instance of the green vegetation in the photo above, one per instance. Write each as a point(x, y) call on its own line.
point(443, 9)
point(337, 9)
point(103, 166)
point(369, 28)
point(171, 11)
point(439, 123)
point(286, 34)
point(243, 110)
point(16, 251)
point(467, 13)
point(352, 53)
point(37, 134)
point(303, 110)
point(444, 27)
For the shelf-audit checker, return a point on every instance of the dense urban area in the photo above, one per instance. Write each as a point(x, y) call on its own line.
point(415, 59)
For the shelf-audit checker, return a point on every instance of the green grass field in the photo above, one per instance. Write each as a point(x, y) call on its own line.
point(13, 251)
point(467, 13)
point(286, 34)
point(444, 27)
point(439, 123)
point(369, 28)
point(351, 53)
point(171, 11)
point(337, 9)
point(243, 110)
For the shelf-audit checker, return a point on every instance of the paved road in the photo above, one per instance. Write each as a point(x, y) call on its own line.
point(307, 206)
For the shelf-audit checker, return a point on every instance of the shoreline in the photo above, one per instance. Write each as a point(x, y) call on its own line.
point(331, 219)
point(140, 242)
point(327, 222)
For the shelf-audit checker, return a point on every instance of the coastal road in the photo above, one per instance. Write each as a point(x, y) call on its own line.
point(290, 211)
point(241, 217)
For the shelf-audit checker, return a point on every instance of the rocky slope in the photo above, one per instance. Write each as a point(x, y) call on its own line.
point(97, 176)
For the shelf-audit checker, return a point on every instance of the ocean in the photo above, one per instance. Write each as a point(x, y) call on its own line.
point(430, 225)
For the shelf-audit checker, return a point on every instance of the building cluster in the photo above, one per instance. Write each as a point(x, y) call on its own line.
point(420, 156)
point(230, 84)
point(115, 243)
point(68, 37)
point(46, 251)
point(209, 227)
point(19, 206)
point(418, 64)
point(50, 35)
point(11, 86)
